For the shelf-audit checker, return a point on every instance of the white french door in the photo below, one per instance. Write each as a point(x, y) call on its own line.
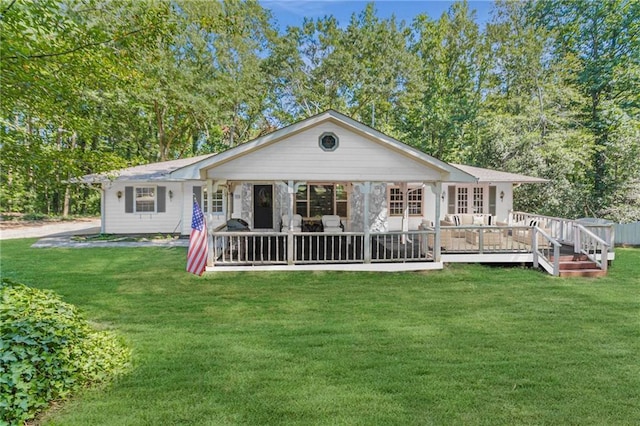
point(471, 199)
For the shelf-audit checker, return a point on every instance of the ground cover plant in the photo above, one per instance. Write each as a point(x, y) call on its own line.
point(47, 351)
point(467, 345)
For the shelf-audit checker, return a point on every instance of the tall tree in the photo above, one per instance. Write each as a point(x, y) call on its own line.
point(530, 119)
point(361, 70)
point(441, 119)
point(600, 38)
point(60, 61)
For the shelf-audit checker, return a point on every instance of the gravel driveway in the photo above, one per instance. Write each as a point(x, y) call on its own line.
point(47, 229)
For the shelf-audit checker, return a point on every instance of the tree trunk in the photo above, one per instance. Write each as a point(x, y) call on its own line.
point(162, 152)
point(67, 189)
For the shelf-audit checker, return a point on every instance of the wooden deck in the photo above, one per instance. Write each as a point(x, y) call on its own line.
point(411, 250)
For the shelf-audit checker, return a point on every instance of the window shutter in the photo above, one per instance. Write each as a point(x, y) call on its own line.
point(492, 200)
point(197, 193)
point(451, 201)
point(128, 199)
point(161, 199)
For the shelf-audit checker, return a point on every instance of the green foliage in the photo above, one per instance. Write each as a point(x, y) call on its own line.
point(48, 351)
point(547, 88)
point(598, 41)
point(441, 119)
point(471, 344)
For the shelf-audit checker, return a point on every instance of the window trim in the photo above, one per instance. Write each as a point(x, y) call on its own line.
point(221, 200)
point(334, 136)
point(155, 199)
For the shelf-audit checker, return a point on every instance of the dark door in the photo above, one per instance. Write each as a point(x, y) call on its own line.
point(262, 206)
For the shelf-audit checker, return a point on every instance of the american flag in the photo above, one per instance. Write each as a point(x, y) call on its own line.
point(198, 250)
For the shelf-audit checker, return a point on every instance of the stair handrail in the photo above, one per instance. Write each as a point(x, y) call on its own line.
point(538, 254)
point(561, 228)
point(591, 254)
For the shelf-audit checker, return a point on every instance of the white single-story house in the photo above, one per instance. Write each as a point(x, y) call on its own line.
point(325, 176)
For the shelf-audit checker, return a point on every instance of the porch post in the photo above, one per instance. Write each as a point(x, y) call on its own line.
point(404, 188)
point(209, 196)
point(436, 249)
point(209, 228)
point(366, 190)
point(291, 189)
point(229, 201)
point(103, 209)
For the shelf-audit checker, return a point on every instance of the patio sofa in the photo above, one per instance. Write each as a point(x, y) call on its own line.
point(466, 219)
point(523, 235)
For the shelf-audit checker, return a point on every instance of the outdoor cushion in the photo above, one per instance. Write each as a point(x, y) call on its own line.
point(467, 219)
point(297, 222)
point(331, 223)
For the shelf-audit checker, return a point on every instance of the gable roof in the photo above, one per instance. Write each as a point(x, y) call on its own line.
point(448, 171)
point(147, 172)
point(195, 168)
point(489, 175)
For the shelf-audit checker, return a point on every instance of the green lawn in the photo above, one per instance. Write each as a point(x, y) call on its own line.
point(467, 345)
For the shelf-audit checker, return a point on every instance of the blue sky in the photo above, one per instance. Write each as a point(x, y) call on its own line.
point(291, 12)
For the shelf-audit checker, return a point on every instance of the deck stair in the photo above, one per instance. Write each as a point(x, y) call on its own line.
point(578, 265)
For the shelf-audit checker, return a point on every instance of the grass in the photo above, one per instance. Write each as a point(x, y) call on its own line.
point(467, 345)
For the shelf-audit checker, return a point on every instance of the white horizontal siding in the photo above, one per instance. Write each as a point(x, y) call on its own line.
point(119, 222)
point(299, 157)
point(213, 220)
point(503, 207)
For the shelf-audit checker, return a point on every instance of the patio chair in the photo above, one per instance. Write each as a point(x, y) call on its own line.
point(297, 223)
point(331, 223)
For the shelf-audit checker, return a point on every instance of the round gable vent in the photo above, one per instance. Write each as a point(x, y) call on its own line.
point(328, 141)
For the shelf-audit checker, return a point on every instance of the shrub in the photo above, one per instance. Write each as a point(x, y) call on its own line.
point(34, 216)
point(47, 351)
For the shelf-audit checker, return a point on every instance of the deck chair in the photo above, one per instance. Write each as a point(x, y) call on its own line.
point(331, 223)
point(297, 223)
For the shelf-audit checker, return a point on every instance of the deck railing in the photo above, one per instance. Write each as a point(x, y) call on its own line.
point(296, 248)
point(487, 239)
point(273, 248)
point(243, 248)
point(410, 246)
point(317, 247)
point(592, 246)
point(248, 248)
point(563, 230)
point(560, 229)
point(546, 252)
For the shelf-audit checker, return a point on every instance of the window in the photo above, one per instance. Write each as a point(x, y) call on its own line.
point(462, 200)
point(395, 201)
point(328, 142)
point(145, 199)
point(478, 200)
point(414, 201)
point(472, 199)
point(216, 201)
point(320, 199)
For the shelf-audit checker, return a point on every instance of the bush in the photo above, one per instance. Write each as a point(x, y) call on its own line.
point(34, 216)
point(47, 351)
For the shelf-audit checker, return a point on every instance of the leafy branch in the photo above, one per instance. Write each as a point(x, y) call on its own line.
point(75, 49)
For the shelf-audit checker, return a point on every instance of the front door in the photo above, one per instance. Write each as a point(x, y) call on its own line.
point(263, 206)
